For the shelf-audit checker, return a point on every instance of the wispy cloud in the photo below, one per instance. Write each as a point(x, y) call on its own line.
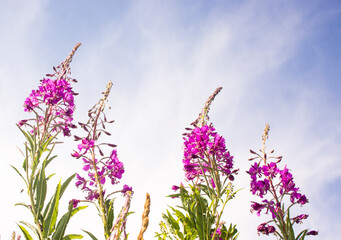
point(165, 59)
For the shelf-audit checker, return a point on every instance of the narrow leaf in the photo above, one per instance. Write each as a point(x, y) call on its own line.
point(65, 184)
point(51, 217)
point(19, 174)
point(41, 191)
point(73, 236)
point(25, 232)
point(90, 234)
point(33, 228)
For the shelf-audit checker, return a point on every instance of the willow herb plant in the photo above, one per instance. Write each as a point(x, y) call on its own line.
point(280, 194)
point(208, 167)
point(100, 169)
point(52, 105)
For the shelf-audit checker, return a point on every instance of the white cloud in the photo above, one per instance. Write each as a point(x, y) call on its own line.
point(164, 66)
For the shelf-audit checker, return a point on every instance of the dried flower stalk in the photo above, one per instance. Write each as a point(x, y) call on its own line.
point(14, 235)
point(120, 224)
point(145, 218)
point(68, 60)
point(203, 117)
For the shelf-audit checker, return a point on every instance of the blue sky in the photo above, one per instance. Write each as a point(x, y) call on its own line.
point(277, 61)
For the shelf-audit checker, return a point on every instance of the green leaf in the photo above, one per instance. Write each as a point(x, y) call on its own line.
point(50, 176)
point(47, 142)
point(73, 236)
point(32, 227)
point(65, 185)
point(25, 163)
point(52, 212)
point(62, 224)
point(24, 205)
point(110, 214)
point(40, 191)
point(290, 227)
point(302, 235)
point(90, 234)
point(49, 160)
point(28, 137)
point(193, 237)
point(19, 174)
point(179, 214)
point(25, 232)
point(172, 221)
point(36, 160)
point(176, 195)
point(232, 232)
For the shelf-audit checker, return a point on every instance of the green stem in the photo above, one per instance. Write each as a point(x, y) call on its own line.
point(33, 205)
point(220, 214)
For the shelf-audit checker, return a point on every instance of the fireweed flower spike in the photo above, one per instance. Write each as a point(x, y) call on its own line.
point(52, 104)
point(208, 166)
point(101, 169)
point(276, 188)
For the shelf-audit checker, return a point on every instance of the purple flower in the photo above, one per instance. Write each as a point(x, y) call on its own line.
point(86, 145)
point(303, 200)
point(217, 234)
point(57, 97)
point(255, 171)
point(257, 207)
point(126, 188)
point(87, 164)
point(204, 143)
point(111, 168)
point(275, 185)
point(75, 202)
point(264, 229)
point(270, 170)
point(175, 188)
point(313, 232)
point(299, 218)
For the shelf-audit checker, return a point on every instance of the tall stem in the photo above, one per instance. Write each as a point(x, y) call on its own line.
point(30, 193)
point(101, 202)
point(273, 190)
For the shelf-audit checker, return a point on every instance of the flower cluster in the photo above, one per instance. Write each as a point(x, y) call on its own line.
point(209, 166)
point(268, 180)
point(97, 171)
point(58, 97)
point(263, 176)
point(100, 169)
point(217, 235)
point(204, 143)
point(265, 229)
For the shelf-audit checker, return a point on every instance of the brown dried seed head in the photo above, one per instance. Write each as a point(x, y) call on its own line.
point(65, 66)
point(68, 60)
point(98, 107)
point(107, 90)
point(203, 117)
point(145, 219)
point(266, 132)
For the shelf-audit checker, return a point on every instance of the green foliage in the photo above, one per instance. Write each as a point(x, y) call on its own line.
point(196, 218)
point(110, 214)
point(36, 158)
